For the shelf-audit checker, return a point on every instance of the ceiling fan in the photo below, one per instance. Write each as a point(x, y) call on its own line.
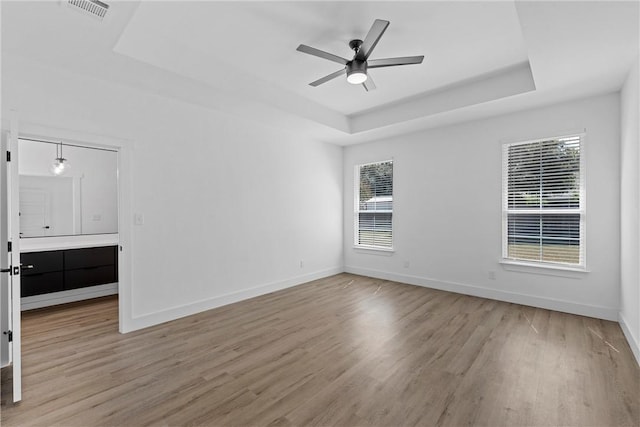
point(356, 68)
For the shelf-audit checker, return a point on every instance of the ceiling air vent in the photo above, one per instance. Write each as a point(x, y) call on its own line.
point(92, 7)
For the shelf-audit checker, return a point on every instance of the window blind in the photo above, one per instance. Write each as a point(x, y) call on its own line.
point(543, 199)
point(374, 205)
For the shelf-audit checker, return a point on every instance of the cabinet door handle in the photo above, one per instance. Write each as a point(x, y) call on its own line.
point(26, 267)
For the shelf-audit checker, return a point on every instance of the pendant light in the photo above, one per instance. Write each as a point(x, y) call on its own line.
point(60, 165)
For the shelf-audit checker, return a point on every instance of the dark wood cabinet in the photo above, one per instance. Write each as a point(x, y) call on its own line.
point(61, 270)
point(89, 257)
point(41, 262)
point(41, 283)
point(83, 277)
point(42, 272)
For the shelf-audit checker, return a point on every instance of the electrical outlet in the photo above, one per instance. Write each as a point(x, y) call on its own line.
point(407, 264)
point(492, 275)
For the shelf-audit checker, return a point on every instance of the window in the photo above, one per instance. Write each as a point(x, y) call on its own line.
point(374, 205)
point(543, 202)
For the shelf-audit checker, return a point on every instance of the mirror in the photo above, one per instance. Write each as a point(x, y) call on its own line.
point(82, 200)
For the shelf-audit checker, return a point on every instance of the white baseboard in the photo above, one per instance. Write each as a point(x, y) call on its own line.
point(151, 319)
point(633, 342)
point(174, 313)
point(63, 297)
point(530, 300)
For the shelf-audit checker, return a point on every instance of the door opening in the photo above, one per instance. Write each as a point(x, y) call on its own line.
point(67, 234)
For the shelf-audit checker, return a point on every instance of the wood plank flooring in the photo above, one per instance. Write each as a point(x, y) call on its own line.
point(344, 351)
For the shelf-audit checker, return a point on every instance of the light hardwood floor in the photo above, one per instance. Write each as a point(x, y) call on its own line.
point(346, 350)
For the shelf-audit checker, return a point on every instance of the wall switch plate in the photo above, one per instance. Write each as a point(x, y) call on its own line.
point(138, 219)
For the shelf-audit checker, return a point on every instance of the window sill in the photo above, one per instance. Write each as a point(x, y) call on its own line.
point(546, 269)
point(374, 250)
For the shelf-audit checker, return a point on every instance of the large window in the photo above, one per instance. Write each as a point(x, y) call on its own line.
point(543, 202)
point(374, 205)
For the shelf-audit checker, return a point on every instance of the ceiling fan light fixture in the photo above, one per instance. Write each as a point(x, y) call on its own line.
point(357, 72)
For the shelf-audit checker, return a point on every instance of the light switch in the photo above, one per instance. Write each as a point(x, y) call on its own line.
point(138, 219)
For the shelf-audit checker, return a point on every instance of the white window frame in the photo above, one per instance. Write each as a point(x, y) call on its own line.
point(582, 265)
point(356, 209)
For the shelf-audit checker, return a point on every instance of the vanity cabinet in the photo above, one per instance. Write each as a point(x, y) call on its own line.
point(61, 270)
point(42, 272)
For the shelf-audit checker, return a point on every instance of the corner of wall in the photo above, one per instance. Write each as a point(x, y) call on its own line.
point(629, 309)
point(633, 343)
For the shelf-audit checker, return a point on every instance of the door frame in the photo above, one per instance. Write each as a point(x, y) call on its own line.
point(124, 148)
point(11, 231)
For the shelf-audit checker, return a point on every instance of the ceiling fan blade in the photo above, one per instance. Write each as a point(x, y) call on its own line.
point(329, 77)
point(373, 37)
point(391, 62)
point(368, 84)
point(322, 54)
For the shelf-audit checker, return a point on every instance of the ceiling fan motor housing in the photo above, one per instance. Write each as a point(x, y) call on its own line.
point(356, 71)
point(357, 67)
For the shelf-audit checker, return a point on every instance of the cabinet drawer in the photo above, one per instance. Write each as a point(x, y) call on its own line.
point(89, 257)
point(42, 283)
point(84, 277)
point(43, 262)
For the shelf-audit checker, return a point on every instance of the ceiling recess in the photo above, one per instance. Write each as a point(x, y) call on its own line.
point(94, 8)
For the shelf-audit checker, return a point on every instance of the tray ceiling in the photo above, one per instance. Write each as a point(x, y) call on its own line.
point(481, 58)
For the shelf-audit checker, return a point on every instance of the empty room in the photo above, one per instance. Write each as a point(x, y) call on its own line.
point(331, 213)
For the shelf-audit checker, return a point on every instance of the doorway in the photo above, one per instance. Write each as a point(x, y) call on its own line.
point(68, 221)
point(37, 206)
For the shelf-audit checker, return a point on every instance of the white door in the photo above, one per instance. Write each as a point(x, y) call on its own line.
point(10, 260)
point(5, 261)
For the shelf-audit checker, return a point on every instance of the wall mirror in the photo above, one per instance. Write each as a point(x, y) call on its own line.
point(67, 189)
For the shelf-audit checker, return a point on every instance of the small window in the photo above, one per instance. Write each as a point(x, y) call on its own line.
point(374, 205)
point(543, 202)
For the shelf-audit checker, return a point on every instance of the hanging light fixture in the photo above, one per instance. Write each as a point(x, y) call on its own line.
point(60, 165)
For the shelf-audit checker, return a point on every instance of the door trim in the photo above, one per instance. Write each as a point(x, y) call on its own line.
point(13, 210)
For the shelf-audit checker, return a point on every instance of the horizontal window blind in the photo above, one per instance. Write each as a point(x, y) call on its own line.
point(374, 205)
point(543, 198)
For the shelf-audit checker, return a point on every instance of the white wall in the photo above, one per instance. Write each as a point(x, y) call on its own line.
point(447, 209)
point(230, 208)
point(630, 211)
point(98, 189)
